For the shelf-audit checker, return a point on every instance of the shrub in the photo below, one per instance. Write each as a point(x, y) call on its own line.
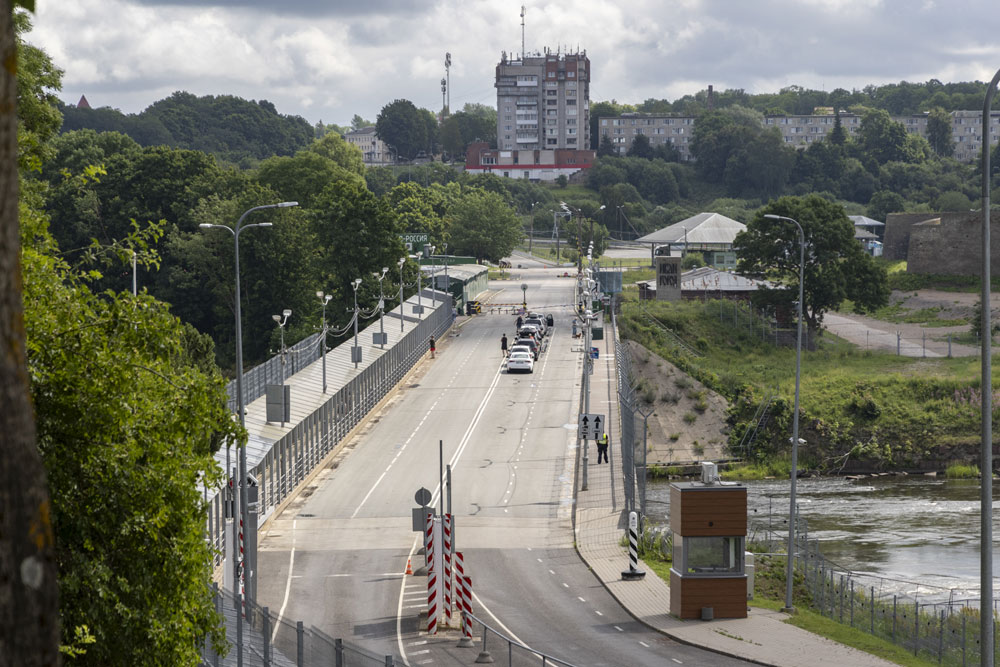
point(690, 417)
point(961, 471)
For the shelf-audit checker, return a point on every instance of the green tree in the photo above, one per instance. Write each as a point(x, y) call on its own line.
point(606, 148)
point(838, 135)
point(483, 226)
point(640, 147)
point(881, 137)
point(401, 125)
point(939, 132)
point(884, 202)
point(357, 122)
point(836, 267)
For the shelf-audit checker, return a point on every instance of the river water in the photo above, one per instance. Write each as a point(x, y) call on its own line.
point(914, 529)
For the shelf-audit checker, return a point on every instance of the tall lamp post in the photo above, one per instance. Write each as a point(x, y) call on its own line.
point(986, 490)
point(325, 298)
point(238, 561)
point(355, 284)
point(795, 415)
point(402, 310)
point(685, 254)
point(282, 320)
point(524, 296)
point(381, 305)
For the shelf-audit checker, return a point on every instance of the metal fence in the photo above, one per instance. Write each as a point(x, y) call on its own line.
point(290, 460)
point(270, 641)
point(296, 358)
point(926, 620)
point(497, 648)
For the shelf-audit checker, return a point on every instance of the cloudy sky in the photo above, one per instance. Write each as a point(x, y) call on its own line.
point(330, 59)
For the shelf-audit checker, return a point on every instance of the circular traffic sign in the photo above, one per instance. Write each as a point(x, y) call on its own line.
point(422, 496)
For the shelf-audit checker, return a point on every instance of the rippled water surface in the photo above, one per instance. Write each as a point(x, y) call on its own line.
point(916, 528)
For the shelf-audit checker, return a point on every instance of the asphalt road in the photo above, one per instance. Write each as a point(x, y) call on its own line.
point(334, 559)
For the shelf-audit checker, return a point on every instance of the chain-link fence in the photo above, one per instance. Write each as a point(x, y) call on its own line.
point(924, 619)
point(627, 414)
point(271, 641)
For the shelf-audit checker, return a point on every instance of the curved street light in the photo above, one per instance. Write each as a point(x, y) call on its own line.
point(986, 464)
point(325, 299)
point(240, 401)
point(795, 415)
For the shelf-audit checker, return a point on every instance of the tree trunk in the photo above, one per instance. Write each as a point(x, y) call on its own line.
point(29, 605)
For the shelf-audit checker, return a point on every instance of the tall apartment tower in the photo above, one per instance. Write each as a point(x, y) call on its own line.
point(543, 101)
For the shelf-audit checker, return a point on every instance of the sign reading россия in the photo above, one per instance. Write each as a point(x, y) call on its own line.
point(415, 239)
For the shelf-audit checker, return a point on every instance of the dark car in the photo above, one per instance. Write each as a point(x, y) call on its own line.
point(531, 343)
point(549, 320)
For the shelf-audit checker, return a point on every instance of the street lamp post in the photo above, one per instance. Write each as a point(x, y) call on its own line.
point(325, 298)
point(402, 310)
point(433, 282)
point(282, 320)
point(381, 306)
point(795, 415)
point(238, 561)
point(354, 353)
point(986, 464)
point(685, 253)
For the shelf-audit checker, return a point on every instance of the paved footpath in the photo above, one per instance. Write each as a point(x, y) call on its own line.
point(762, 638)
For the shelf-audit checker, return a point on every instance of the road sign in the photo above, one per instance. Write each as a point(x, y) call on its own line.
point(590, 426)
point(422, 497)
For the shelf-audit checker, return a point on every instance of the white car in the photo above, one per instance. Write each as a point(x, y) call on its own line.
point(520, 362)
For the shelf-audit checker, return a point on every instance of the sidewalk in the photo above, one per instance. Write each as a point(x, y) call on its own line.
point(762, 637)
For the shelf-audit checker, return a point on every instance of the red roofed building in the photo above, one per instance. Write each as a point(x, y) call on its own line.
point(83, 103)
point(532, 165)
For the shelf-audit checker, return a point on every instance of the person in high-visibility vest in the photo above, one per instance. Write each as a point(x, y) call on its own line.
point(602, 448)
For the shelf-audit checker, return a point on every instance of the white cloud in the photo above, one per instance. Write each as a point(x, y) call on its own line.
point(339, 61)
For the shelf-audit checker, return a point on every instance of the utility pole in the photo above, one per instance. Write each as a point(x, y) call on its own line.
point(447, 73)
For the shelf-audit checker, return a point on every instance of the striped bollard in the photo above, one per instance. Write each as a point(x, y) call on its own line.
point(463, 592)
point(243, 594)
point(446, 554)
point(633, 571)
point(432, 601)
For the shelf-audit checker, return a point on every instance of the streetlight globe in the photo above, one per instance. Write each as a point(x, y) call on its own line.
point(206, 225)
point(385, 270)
point(287, 204)
point(276, 318)
point(326, 300)
point(286, 312)
point(320, 294)
point(402, 260)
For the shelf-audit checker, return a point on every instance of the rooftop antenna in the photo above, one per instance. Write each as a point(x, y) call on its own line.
point(522, 32)
point(447, 71)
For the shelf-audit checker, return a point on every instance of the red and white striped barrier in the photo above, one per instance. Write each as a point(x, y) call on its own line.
point(446, 555)
point(432, 581)
point(463, 593)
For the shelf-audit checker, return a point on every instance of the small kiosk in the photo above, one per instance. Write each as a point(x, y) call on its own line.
point(709, 522)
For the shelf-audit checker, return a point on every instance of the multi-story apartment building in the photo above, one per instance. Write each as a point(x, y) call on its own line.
point(543, 101)
point(797, 131)
point(374, 151)
point(660, 129)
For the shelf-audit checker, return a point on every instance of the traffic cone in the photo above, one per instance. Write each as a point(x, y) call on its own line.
point(409, 569)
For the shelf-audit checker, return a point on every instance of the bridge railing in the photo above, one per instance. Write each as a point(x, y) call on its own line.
point(496, 647)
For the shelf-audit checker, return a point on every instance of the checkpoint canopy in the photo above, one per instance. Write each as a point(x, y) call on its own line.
point(711, 234)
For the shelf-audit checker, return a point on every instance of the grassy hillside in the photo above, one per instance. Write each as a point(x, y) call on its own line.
point(860, 408)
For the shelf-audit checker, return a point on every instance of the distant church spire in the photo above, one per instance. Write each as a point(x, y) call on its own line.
point(83, 103)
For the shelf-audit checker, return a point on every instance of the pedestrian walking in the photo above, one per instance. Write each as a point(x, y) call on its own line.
point(503, 345)
point(432, 347)
point(602, 448)
point(520, 321)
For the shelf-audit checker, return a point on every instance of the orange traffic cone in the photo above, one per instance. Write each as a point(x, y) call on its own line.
point(409, 569)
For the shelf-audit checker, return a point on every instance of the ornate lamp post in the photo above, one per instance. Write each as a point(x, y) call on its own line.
point(401, 262)
point(325, 299)
point(282, 320)
point(381, 305)
point(355, 284)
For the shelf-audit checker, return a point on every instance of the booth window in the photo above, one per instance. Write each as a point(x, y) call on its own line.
point(710, 555)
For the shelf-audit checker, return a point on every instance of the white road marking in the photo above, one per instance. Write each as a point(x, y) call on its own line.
point(424, 652)
point(565, 585)
point(644, 644)
point(677, 661)
point(419, 642)
point(618, 629)
point(288, 584)
point(551, 572)
point(580, 599)
point(367, 495)
point(415, 606)
point(598, 613)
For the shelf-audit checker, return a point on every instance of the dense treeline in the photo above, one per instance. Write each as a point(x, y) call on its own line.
point(740, 164)
point(235, 130)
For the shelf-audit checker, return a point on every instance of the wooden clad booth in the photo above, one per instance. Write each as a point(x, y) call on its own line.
point(709, 521)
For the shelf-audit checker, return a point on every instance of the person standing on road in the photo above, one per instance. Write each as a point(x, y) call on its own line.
point(602, 448)
point(432, 347)
point(520, 321)
point(503, 345)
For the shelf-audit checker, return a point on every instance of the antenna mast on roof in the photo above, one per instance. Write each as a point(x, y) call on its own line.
point(522, 33)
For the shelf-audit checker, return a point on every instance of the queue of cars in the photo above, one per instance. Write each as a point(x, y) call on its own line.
point(527, 345)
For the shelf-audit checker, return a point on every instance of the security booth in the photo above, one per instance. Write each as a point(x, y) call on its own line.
point(709, 521)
